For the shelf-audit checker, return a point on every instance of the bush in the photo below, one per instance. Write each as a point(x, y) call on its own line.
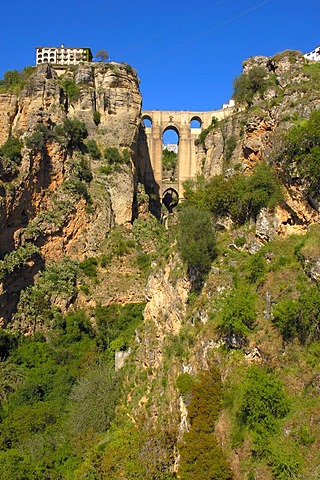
point(82, 170)
point(73, 131)
point(92, 401)
point(185, 383)
point(14, 81)
point(203, 135)
point(89, 267)
point(201, 454)
point(230, 145)
point(239, 196)
point(17, 259)
point(72, 90)
point(299, 318)
point(117, 321)
point(248, 84)
point(38, 139)
point(93, 149)
point(238, 315)
point(11, 150)
point(302, 150)
point(263, 402)
point(115, 158)
point(96, 117)
point(196, 239)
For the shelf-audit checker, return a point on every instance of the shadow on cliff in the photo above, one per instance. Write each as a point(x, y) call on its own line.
point(14, 283)
point(145, 176)
point(18, 207)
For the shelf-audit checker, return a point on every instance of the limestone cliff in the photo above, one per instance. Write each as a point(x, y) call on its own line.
point(64, 194)
point(253, 133)
point(109, 90)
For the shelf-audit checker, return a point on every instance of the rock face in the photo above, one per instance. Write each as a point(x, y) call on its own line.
point(112, 91)
point(254, 132)
point(60, 196)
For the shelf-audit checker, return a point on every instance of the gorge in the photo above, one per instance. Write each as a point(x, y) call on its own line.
point(141, 344)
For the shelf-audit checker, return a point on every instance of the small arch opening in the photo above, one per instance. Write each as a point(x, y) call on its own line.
point(170, 150)
point(170, 199)
point(147, 121)
point(195, 122)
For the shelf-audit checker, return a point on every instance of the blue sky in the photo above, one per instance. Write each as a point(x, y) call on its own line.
point(187, 53)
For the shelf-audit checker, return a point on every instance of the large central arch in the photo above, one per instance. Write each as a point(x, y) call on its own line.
point(188, 125)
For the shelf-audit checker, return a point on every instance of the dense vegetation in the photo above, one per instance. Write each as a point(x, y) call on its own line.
point(59, 391)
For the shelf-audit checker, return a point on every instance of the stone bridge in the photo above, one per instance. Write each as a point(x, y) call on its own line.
point(157, 122)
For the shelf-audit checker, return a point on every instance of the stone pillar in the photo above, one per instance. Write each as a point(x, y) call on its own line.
point(156, 154)
point(184, 157)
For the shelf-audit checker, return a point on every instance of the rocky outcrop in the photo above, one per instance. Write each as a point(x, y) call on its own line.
point(59, 196)
point(256, 131)
point(112, 90)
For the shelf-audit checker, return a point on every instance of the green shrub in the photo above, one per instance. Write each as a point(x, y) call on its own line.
point(38, 139)
point(82, 170)
point(11, 150)
point(201, 456)
point(96, 117)
point(112, 155)
point(230, 145)
point(196, 239)
point(17, 259)
point(116, 158)
point(299, 318)
point(78, 188)
point(72, 90)
point(257, 267)
point(93, 149)
point(13, 80)
point(143, 261)
point(89, 267)
point(302, 150)
point(203, 135)
point(36, 302)
point(184, 383)
point(263, 402)
point(117, 323)
point(248, 84)
point(239, 196)
point(105, 260)
point(238, 315)
point(73, 132)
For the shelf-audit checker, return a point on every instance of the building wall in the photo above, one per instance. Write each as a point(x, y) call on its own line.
point(314, 55)
point(62, 55)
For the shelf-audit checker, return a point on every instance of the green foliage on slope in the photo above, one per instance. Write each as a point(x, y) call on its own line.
point(201, 454)
point(64, 396)
point(241, 197)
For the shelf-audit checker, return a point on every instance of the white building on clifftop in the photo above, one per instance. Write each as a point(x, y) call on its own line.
point(62, 55)
point(314, 55)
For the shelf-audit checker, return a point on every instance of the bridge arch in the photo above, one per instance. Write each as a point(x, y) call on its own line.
point(196, 122)
point(147, 121)
point(188, 125)
point(170, 155)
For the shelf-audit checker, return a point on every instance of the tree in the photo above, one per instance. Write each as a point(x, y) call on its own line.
point(196, 241)
point(248, 84)
point(201, 454)
point(102, 55)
